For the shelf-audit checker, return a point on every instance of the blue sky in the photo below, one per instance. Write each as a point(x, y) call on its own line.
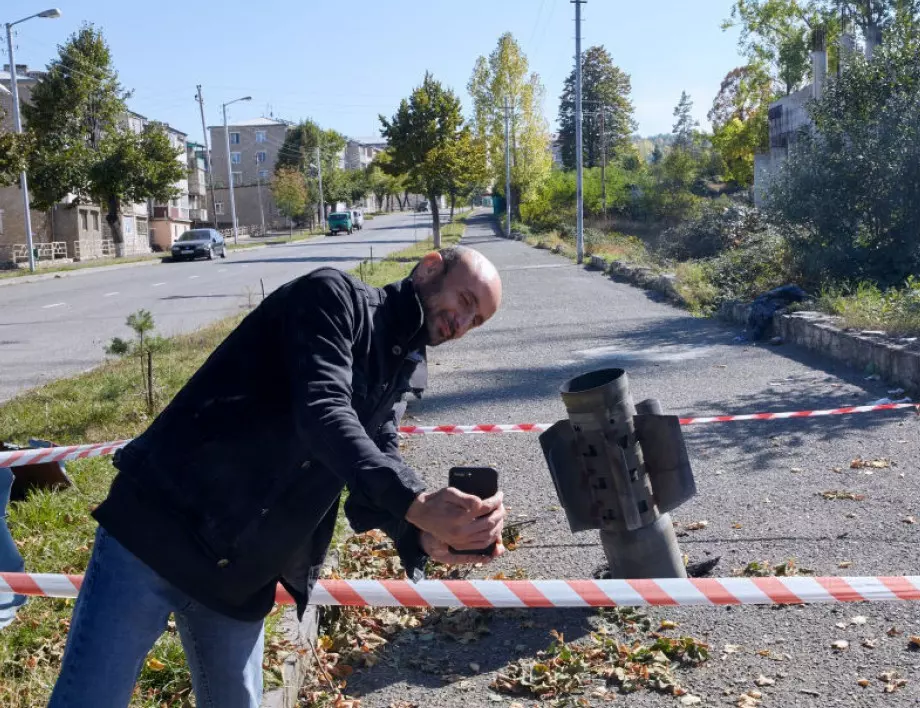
point(342, 63)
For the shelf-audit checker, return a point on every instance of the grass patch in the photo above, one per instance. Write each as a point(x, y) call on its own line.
point(54, 530)
point(96, 263)
point(696, 288)
point(895, 311)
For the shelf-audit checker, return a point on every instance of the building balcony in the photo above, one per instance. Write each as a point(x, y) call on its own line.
point(198, 214)
point(170, 212)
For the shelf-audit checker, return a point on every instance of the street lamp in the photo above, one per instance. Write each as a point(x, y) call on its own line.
point(17, 122)
point(229, 168)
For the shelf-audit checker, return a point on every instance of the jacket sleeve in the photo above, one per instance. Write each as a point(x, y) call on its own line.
point(321, 326)
point(363, 516)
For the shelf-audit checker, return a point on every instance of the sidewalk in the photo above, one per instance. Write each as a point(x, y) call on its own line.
point(759, 485)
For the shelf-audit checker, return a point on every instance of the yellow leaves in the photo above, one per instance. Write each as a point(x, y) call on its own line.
point(696, 525)
point(667, 624)
point(155, 664)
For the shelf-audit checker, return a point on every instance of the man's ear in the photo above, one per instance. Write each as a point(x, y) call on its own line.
point(431, 266)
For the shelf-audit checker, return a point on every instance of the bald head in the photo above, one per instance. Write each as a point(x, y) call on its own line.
point(460, 290)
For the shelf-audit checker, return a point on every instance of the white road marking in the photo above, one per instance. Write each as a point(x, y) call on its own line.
point(110, 294)
point(245, 265)
point(192, 277)
point(56, 304)
point(221, 270)
point(156, 285)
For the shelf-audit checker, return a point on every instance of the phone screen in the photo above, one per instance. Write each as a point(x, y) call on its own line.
point(481, 482)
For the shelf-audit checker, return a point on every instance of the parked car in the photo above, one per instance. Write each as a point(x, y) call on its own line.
point(199, 243)
point(357, 217)
point(421, 206)
point(340, 221)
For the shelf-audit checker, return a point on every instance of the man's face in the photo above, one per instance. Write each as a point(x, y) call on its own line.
point(463, 298)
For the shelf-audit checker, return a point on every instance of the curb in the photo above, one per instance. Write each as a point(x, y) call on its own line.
point(640, 276)
point(303, 635)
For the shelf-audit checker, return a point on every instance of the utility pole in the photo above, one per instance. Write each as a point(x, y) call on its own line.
point(207, 154)
point(603, 164)
point(579, 156)
point(259, 188)
point(508, 168)
point(322, 203)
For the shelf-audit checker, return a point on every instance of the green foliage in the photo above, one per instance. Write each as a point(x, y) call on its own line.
point(685, 124)
point(419, 134)
point(721, 225)
point(605, 89)
point(894, 310)
point(15, 149)
point(82, 145)
point(505, 77)
point(848, 193)
point(775, 33)
point(298, 153)
point(694, 284)
point(740, 123)
point(289, 190)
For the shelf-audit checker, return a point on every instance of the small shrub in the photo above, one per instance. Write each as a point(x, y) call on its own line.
point(896, 310)
point(694, 283)
point(720, 226)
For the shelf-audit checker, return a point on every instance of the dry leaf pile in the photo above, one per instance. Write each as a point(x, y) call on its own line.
point(764, 569)
point(624, 653)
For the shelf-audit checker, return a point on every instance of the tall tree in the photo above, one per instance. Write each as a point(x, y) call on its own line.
point(83, 145)
point(608, 110)
point(466, 168)
point(14, 152)
point(505, 76)
point(289, 190)
point(418, 133)
point(739, 118)
point(298, 152)
point(685, 124)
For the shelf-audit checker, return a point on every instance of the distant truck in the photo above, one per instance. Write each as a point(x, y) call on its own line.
point(340, 221)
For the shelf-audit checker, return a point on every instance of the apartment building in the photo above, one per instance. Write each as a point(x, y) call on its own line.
point(254, 148)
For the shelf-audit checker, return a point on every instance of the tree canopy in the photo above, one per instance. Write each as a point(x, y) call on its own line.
point(608, 110)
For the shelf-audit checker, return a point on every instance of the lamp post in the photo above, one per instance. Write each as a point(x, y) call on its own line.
point(229, 168)
point(17, 122)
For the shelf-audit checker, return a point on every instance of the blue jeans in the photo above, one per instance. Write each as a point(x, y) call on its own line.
point(10, 560)
point(122, 609)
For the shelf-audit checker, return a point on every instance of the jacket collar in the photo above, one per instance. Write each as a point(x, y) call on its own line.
point(404, 314)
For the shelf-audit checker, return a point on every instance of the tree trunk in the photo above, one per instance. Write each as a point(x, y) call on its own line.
point(113, 217)
point(453, 199)
point(435, 221)
point(406, 197)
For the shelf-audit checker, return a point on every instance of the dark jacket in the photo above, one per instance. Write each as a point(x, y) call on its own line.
point(236, 484)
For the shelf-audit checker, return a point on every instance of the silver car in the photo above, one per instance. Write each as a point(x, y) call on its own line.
point(199, 243)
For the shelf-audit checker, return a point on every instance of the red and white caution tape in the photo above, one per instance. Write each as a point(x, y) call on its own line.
point(35, 455)
point(557, 593)
point(32, 456)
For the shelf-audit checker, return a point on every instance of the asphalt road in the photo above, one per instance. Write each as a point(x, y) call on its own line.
point(60, 326)
point(759, 484)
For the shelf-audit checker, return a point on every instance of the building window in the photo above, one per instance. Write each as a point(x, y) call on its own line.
point(263, 174)
point(234, 138)
point(84, 219)
point(261, 156)
point(235, 158)
point(260, 136)
point(219, 208)
point(95, 221)
point(237, 179)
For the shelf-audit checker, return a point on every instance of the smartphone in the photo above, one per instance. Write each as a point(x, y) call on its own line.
point(481, 482)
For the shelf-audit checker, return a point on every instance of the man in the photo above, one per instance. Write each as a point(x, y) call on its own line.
point(235, 486)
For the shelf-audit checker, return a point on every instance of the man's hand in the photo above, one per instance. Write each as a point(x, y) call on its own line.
point(459, 520)
point(439, 551)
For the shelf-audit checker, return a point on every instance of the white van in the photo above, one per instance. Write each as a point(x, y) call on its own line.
point(357, 218)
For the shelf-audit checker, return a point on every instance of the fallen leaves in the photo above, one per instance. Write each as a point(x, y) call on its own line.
point(567, 669)
point(763, 569)
point(696, 525)
point(880, 464)
point(913, 643)
point(751, 699)
point(764, 681)
point(155, 664)
point(845, 564)
point(840, 645)
point(892, 680)
point(910, 520)
point(835, 494)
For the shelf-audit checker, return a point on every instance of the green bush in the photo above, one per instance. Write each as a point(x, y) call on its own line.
point(721, 225)
point(895, 310)
point(694, 283)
